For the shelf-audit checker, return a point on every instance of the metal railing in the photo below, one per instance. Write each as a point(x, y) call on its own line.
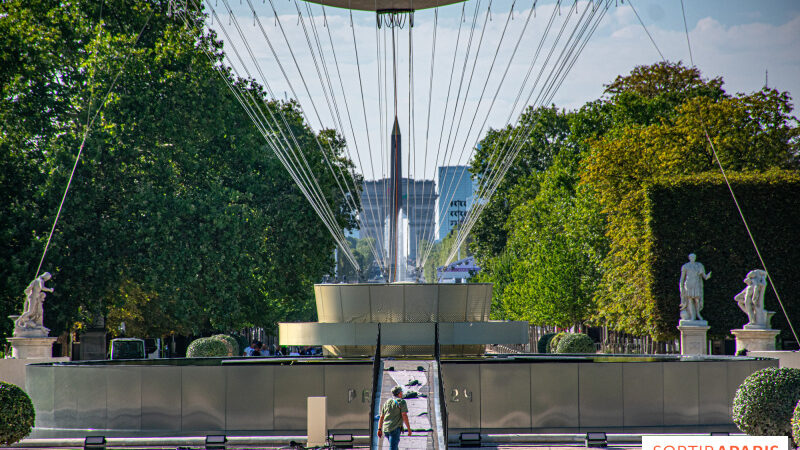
point(377, 375)
point(443, 432)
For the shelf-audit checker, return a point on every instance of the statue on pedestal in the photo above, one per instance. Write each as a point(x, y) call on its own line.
point(691, 289)
point(751, 300)
point(31, 321)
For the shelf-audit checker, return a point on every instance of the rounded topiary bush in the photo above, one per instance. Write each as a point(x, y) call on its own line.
point(575, 343)
point(554, 341)
point(765, 401)
point(206, 348)
point(230, 342)
point(16, 414)
point(543, 344)
point(796, 425)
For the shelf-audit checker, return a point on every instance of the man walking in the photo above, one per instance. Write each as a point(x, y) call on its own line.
point(394, 413)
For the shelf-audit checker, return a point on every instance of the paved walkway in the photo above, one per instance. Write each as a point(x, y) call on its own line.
point(407, 376)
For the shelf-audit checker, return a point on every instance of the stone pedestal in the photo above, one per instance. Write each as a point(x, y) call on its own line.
point(754, 339)
point(93, 345)
point(32, 347)
point(694, 340)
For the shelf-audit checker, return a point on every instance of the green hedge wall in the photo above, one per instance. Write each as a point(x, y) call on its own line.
point(697, 215)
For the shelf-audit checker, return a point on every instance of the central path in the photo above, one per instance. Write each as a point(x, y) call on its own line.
point(407, 375)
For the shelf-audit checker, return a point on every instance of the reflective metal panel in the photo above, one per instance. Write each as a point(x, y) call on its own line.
point(249, 398)
point(319, 299)
point(293, 386)
point(420, 304)
point(600, 394)
point(463, 390)
point(39, 384)
point(348, 390)
point(505, 395)
point(65, 400)
point(487, 302)
point(759, 364)
point(554, 399)
point(387, 304)
point(331, 304)
point(123, 397)
point(453, 303)
point(355, 303)
point(476, 302)
point(642, 394)
point(472, 333)
point(738, 370)
point(367, 334)
point(680, 393)
point(91, 393)
point(161, 398)
point(407, 333)
point(713, 405)
point(202, 398)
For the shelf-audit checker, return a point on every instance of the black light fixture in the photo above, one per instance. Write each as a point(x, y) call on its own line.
point(216, 442)
point(342, 440)
point(470, 439)
point(720, 433)
point(597, 439)
point(94, 443)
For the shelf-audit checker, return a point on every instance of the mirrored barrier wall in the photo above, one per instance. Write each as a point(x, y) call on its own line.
point(532, 394)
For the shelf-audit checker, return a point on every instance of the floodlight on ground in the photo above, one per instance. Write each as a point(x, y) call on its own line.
point(720, 433)
point(470, 439)
point(94, 443)
point(216, 442)
point(597, 439)
point(342, 440)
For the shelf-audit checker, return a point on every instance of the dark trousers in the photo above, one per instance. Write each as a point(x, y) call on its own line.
point(394, 438)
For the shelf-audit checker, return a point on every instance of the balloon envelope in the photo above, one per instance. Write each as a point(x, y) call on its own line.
point(385, 5)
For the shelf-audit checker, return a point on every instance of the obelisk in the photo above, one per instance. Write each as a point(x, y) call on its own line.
point(395, 196)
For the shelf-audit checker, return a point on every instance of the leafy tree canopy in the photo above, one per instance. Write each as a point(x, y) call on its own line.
point(583, 174)
point(179, 218)
point(754, 132)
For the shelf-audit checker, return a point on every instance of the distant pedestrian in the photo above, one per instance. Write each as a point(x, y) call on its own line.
point(249, 351)
point(394, 413)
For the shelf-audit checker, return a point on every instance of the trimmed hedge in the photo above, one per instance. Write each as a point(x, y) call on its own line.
point(242, 343)
point(765, 401)
point(554, 341)
point(207, 348)
point(575, 343)
point(17, 415)
point(543, 344)
point(697, 215)
point(230, 342)
point(796, 425)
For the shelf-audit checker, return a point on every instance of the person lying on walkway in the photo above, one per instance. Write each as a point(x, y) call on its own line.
point(394, 413)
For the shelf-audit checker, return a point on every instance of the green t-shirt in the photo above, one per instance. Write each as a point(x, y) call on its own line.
point(393, 411)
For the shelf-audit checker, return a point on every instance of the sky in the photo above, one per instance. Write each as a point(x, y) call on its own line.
point(454, 101)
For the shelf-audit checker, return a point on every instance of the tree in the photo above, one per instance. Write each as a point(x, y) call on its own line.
point(533, 220)
point(441, 250)
point(556, 240)
point(752, 132)
point(362, 250)
point(548, 131)
point(178, 210)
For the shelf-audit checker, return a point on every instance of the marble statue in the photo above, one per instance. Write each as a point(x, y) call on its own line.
point(31, 321)
point(751, 300)
point(691, 289)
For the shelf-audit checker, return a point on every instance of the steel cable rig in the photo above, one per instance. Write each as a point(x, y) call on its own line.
point(367, 78)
